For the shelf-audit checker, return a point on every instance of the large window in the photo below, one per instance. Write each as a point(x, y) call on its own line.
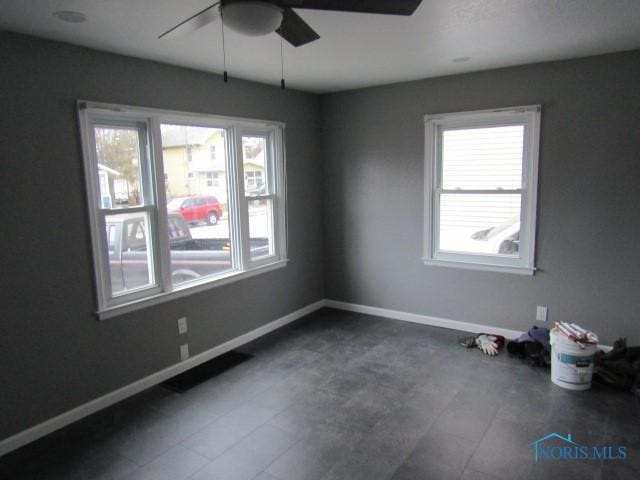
point(480, 189)
point(168, 215)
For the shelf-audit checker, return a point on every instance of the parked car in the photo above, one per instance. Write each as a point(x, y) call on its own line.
point(191, 258)
point(196, 209)
point(503, 239)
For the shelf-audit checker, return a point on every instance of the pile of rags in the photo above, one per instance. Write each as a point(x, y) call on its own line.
point(533, 346)
point(620, 367)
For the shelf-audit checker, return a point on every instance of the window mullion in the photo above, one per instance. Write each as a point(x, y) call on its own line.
point(243, 205)
point(105, 272)
point(153, 238)
point(150, 200)
point(281, 192)
point(235, 184)
point(273, 176)
point(437, 189)
point(146, 170)
point(161, 239)
point(435, 230)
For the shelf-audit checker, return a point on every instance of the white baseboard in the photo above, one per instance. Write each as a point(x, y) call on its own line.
point(431, 321)
point(64, 419)
point(423, 319)
point(75, 414)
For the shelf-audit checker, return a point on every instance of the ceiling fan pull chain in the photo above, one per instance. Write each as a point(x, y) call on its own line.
point(282, 85)
point(224, 51)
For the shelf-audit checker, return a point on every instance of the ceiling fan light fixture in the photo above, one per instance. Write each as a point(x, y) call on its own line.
point(252, 18)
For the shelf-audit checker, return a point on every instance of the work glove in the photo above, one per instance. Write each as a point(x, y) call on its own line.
point(488, 344)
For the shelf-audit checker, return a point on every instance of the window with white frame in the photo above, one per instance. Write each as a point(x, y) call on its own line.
point(158, 237)
point(212, 179)
point(253, 178)
point(481, 173)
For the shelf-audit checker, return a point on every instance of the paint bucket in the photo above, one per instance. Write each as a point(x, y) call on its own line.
point(571, 364)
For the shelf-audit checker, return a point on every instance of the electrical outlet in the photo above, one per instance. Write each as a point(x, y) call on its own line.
point(184, 352)
point(542, 313)
point(182, 325)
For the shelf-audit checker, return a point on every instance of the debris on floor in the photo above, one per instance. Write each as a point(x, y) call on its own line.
point(487, 343)
point(620, 367)
point(533, 346)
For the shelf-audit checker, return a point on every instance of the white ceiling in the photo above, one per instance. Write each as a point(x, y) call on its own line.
point(355, 50)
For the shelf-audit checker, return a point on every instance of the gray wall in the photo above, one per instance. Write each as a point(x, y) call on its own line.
point(54, 355)
point(367, 146)
point(589, 197)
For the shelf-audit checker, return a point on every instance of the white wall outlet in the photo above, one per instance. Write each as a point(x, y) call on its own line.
point(542, 313)
point(184, 352)
point(182, 325)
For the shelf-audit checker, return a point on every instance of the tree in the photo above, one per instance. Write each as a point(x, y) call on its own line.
point(252, 146)
point(118, 148)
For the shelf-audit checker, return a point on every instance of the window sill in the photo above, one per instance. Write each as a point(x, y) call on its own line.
point(186, 290)
point(484, 267)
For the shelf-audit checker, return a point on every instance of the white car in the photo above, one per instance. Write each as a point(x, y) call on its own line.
point(503, 239)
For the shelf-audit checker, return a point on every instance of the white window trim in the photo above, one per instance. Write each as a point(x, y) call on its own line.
point(187, 289)
point(274, 186)
point(525, 264)
point(111, 306)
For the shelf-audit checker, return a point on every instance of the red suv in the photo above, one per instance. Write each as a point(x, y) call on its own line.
point(197, 209)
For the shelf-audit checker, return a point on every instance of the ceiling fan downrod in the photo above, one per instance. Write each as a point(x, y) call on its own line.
point(224, 51)
point(282, 86)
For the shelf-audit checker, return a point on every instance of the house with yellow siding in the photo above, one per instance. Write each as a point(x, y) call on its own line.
point(194, 161)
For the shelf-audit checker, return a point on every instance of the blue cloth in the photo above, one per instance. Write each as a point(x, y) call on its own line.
point(536, 334)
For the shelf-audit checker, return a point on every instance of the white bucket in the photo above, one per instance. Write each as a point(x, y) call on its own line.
point(571, 365)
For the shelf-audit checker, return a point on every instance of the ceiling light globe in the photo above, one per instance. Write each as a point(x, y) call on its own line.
point(252, 18)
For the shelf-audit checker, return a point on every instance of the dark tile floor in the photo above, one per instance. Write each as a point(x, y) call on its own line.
point(339, 395)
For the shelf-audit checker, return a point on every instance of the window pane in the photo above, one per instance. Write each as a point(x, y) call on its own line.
point(260, 228)
point(197, 205)
point(475, 223)
point(255, 166)
point(118, 151)
point(254, 151)
point(127, 236)
point(482, 158)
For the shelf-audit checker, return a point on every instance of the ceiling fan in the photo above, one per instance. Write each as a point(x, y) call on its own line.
point(263, 17)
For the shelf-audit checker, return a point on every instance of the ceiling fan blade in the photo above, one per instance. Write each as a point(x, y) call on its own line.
point(387, 7)
point(200, 19)
point(295, 30)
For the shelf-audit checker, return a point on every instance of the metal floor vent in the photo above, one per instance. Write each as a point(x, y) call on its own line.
point(203, 372)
